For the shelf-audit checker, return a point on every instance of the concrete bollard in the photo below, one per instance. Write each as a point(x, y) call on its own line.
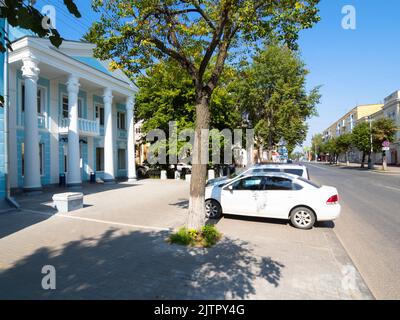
point(188, 177)
point(211, 174)
point(177, 175)
point(163, 175)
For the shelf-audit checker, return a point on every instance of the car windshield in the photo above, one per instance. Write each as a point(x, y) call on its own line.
point(315, 185)
point(297, 172)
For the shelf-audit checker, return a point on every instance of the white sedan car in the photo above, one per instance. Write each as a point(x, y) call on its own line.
point(274, 195)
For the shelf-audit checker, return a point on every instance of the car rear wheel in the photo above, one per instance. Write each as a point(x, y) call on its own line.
point(213, 209)
point(302, 218)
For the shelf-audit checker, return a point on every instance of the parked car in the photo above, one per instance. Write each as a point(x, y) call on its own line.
point(183, 167)
point(296, 169)
point(274, 195)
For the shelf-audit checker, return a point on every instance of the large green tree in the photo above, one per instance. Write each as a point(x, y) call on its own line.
point(167, 95)
point(343, 144)
point(383, 129)
point(199, 35)
point(273, 93)
point(361, 139)
point(317, 145)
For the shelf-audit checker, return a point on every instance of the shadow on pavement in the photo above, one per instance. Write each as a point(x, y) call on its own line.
point(15, 221)
point(42, 202)
point(141, 265)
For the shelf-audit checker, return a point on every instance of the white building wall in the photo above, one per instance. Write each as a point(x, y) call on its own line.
point(54, 136)
point(13, 128)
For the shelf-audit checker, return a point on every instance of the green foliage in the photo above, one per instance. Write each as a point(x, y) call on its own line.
point(317, 144)
point(383, 129)
point(273, 93)
point(344, 143)
point(138, 34)
point(331, 147)
point(361, 137)
point(211, 235)
point(207, 237)
point(20, 14)
point(167, 94)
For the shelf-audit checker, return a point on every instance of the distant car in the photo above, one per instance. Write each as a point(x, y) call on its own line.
point(274, 195)
point(181, 166)
point(296, 169)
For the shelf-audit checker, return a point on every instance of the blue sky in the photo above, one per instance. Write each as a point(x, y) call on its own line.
point(353, 66)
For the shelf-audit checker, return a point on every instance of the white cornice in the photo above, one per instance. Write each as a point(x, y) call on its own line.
point(45, 53)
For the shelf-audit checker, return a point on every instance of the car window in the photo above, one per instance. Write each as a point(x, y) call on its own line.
point(251, 183)
point(297, 172)
point(315, 185)
point(278, 183)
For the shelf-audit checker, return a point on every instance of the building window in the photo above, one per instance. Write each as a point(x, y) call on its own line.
point(100, 114)
point(42, 158)
point(23, 158)
point(65, 106)
point(121, 122)
point(40, 99)
point(99, 159)
point(121, 159)
point(80, 108)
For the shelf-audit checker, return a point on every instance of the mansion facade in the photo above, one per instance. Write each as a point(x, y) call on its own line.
point(68, 115)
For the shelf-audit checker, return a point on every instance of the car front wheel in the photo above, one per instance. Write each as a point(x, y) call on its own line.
point(302, 218)
point(213, 209)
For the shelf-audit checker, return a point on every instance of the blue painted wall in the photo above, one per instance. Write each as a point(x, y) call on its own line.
point(2, 155)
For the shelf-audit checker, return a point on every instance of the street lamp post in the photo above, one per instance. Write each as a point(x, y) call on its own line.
point(371, 143)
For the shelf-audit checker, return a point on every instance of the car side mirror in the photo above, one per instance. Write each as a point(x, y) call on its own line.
point(230, 188)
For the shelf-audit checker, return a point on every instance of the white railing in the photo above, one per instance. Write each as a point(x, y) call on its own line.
point(86, 127)
point(41, 120)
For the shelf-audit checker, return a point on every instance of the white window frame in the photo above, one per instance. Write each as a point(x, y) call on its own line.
point(80, 106)
point(121, 125)
point(97, 113)
point(43, 98)
point(118, 159)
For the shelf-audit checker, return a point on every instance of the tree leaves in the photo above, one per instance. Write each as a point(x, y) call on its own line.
point(273, 93)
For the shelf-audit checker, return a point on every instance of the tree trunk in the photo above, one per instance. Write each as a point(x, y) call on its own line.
point(363, 160)
point(384, 161)
point(197, 215)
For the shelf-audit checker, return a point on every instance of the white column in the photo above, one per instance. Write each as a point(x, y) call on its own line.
point(74, 169)
point(109, 175)
point(30, 72)
point(130, 105)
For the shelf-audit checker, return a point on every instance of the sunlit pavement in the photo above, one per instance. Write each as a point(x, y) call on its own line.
point(115, 248)
point(369, 228)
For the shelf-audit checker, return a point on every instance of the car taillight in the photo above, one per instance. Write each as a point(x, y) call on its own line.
point(333, 200)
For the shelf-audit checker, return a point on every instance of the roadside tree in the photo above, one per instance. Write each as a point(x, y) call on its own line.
point(361, 139)
point(199, 35)
point(383, 129)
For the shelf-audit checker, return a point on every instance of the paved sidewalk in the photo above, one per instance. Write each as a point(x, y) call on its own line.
point(115, 249)
point(391, 170)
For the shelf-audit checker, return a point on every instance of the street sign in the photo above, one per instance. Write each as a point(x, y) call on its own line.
point(385, 148)
point(386, 144)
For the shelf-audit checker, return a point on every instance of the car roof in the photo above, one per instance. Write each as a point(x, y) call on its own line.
point(272, 174)
point(278, 165)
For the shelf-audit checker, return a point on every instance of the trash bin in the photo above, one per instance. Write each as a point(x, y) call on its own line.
point(62, 180)
point(92, 177)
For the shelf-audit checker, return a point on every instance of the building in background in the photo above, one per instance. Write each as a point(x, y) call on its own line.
point(347, 123)
point(69, 115)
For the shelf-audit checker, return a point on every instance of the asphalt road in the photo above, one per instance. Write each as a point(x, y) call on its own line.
point(369, 227)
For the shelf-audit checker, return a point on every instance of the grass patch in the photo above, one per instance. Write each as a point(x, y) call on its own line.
point(206, 237)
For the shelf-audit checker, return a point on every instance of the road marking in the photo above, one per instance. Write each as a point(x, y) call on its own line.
point(390, 188)
point(119, 224)
point(316, 166)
